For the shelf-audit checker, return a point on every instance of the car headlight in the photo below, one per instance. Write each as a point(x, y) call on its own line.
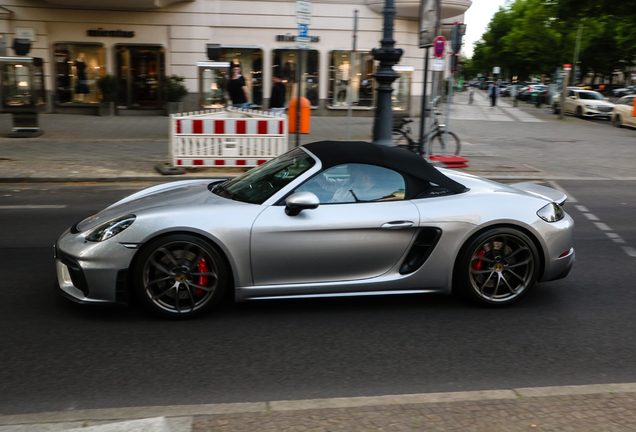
point(591, 107)
point(110, 228)
point(551, 213)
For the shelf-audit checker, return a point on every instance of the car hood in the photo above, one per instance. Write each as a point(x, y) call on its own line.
point(181, 193)
point(596, 102)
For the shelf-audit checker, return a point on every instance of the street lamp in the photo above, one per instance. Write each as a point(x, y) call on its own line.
point(387, 55)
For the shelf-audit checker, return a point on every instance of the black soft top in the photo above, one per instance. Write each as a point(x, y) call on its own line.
point(418, 172)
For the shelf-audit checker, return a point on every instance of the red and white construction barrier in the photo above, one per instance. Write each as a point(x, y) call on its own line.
point(228, 137)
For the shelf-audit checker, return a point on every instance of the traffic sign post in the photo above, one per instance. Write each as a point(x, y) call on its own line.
point(567, 68)
point(303, 19)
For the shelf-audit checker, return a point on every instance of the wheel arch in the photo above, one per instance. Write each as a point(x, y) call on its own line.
point(527, 232)
point(209, 240)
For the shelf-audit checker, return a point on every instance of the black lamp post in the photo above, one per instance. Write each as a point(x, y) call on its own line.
point(387, 55)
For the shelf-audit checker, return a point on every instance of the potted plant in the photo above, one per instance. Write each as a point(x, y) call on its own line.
point(108, 86)
point(174, 92)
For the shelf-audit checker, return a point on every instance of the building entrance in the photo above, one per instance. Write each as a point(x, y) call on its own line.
point(140, 70)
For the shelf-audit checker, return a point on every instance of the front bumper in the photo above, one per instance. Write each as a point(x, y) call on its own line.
point(92, 272)
point(559, 250)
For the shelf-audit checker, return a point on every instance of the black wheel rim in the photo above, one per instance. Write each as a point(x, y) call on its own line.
point(180, 277)
point(502, 268)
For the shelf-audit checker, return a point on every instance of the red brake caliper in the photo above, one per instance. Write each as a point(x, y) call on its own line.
point(477, 263)
point(203, 280)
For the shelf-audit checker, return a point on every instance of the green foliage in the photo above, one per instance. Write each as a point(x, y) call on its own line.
point(534, 37)
point(108, 86)
point(174, 89)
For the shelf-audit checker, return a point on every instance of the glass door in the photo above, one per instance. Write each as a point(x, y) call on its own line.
point(140, 71)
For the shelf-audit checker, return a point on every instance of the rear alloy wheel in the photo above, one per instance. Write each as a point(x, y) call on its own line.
point(498, 267)
point(179, 276)
point(617, 122)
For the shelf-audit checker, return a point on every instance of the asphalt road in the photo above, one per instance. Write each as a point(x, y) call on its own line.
point(55, 355)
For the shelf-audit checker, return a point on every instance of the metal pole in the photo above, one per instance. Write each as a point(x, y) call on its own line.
point(566, 79)
point(577, 48)
point(352, 75)
point(449, 100)
point(433, 96)
point(300, 77)
point(423, 113)
point(387, 55)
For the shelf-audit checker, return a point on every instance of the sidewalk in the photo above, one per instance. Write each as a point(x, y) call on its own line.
point(610, 407)
point(78, 148)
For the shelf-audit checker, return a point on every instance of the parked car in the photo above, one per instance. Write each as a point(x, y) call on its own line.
point(584, 103)
point(395, 224)
point(624, 91)
point(623, 114)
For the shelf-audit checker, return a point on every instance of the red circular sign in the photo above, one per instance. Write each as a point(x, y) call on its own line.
point(439, 46)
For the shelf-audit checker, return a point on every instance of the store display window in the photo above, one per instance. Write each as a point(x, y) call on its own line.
point(77, 68)
point(285, 65)
point(342, 79)
point(22, 85)
point(251, 61)
point(402, 88)
point(213, 78)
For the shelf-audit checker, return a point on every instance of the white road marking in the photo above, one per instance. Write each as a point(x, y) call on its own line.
point(14, 207)
point(630, 251)
point(602, 226)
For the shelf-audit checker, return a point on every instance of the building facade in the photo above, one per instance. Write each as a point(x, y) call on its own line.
point(141, 42)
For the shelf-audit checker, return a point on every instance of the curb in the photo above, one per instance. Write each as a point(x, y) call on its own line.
point(309, 404)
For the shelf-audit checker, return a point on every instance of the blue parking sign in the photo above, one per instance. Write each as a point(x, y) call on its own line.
point(302, 30)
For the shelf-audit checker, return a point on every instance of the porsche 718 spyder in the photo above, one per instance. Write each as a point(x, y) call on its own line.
point(324, 219)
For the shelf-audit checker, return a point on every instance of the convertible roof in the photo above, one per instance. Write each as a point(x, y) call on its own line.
point(332, 153)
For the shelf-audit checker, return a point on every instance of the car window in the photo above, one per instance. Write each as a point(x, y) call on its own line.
point(258, 184)
point(588, 95)
point(356, 183)
point(570, 93)
point(629, 101)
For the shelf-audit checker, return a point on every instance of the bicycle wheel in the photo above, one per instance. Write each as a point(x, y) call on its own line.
point(401, 139)
point(453, 146)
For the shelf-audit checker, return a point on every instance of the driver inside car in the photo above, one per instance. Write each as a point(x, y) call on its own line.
point(357, 187)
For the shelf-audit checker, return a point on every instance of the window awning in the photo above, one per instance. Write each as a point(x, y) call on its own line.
point(116, 4)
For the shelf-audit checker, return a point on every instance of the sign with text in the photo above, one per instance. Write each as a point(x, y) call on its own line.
point(438, 65)
point(303, 12)
point(303, 42)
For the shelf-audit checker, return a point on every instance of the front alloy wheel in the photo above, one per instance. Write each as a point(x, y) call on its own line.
point(180, 276)
point(498, 267)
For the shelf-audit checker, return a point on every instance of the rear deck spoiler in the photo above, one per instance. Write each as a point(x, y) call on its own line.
point(542, 191)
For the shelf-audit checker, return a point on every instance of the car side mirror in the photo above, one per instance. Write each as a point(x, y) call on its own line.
point(295, 203)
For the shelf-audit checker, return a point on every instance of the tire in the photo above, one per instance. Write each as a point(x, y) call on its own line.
point(617, 122)
point(179, 276)
point(401, 139)
point(453, 146)
point(579, 112)
point(497, 268)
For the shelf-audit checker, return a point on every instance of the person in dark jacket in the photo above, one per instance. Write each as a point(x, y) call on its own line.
point(277, 100)
point(237, 88)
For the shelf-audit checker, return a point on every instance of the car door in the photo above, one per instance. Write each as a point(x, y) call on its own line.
point(341, 240)
point(570, 102)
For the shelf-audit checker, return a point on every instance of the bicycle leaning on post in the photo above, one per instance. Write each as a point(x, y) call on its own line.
point(402, 136)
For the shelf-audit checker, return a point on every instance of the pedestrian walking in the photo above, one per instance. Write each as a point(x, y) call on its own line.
point(237, 89)
point(277, 99)
point(493, 92)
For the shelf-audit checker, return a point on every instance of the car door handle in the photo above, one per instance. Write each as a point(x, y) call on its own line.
point(397, 225)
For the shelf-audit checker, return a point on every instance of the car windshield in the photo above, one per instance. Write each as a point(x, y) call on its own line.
point(258, 184)
point(591, 95)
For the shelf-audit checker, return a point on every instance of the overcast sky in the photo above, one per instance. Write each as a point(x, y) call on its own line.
point(477, 18)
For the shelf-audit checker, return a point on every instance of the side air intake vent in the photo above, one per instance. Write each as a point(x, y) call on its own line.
point(421, 250)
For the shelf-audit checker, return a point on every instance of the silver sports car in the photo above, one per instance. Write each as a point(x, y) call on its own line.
point(325, 219)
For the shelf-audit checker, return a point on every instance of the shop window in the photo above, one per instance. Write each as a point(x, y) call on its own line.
point(401, 88)
point(342, 79)
point(251, 61)
point(285, 65)
point(77, 68)
point(213, 84)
